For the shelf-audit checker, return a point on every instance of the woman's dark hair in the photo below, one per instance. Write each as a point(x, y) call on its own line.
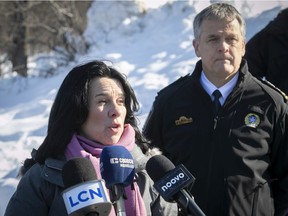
point(70, 108)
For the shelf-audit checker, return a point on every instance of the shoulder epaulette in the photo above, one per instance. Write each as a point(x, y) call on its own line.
point(276, 88)
point(175, 83)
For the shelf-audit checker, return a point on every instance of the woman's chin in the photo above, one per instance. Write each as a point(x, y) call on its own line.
point(110, 142)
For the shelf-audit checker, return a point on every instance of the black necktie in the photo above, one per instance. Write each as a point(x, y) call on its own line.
point(216, 102)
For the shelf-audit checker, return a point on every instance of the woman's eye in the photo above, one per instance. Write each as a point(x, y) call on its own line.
point(121, 101)
point(102, 101)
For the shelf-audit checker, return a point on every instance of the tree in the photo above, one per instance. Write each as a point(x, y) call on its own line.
point(30, 27)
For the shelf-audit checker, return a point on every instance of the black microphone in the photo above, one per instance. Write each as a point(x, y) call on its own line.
point(171, 181)
point(117, 169)
point(84, 194)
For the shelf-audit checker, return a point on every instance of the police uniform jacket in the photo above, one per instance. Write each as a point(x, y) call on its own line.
point(239, 157)
point(39, 191)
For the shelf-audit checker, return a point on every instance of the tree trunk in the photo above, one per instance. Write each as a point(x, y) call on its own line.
point(18, 55)
point(19, 59)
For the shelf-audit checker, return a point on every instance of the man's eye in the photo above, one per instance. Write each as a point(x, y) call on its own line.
point(232, 40)
point(212, 39)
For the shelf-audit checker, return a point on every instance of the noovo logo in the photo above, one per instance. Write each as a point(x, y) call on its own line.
point(173, 181)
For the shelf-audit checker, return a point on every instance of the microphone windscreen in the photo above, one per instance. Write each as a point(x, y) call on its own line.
point(158, 166)
point(78, 170)
point(117, 166)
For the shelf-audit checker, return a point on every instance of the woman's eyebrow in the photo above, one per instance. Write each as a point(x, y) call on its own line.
point(105, 94)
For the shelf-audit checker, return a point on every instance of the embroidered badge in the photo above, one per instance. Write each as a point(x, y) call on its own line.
point(252, 120)
point(183, 120)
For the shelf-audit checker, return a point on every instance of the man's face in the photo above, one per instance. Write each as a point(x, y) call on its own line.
point(221, 47)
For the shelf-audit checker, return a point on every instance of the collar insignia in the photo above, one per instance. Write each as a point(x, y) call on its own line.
point(183, 120)
point(252, 120)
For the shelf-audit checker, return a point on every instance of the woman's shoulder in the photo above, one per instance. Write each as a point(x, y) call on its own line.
point(50, 171)
point(38, 188)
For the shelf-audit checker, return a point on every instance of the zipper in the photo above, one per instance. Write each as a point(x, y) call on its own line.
point(211, 156)
point(255, 194)
point(255, 199)
point(215, 122)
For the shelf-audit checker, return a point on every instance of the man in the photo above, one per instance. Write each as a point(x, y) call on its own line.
point(239, 153)
point(267, 52)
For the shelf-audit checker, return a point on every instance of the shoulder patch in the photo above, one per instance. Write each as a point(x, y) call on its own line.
point(277, 89)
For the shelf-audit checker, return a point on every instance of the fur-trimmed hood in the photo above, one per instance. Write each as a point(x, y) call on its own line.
point(140, 159)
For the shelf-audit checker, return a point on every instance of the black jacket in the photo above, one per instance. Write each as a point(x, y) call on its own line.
point(240, 157)
point(267, 52)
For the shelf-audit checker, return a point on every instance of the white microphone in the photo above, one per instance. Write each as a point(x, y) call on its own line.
point(84, 194)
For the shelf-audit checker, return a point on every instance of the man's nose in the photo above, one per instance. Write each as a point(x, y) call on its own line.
point(223, 46)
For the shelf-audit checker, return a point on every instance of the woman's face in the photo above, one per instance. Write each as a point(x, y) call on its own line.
point(107, 111)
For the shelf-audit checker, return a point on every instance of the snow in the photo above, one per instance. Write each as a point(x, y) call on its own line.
point(149, 41)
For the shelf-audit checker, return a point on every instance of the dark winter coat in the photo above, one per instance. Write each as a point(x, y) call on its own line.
point(267, 52)
point(240, 157)
point(39, 191)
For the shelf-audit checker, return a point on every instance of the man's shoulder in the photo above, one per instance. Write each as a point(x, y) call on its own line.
point(174, 86)
point(276, 93)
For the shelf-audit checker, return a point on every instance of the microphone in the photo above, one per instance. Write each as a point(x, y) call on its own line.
point(84, 194)
point(117, 169)
point(171, 181)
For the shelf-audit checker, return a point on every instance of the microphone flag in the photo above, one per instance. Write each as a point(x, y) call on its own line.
point(117, 166)
point(84, 194)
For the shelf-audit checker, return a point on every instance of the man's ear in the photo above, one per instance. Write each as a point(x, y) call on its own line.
point(196, 47)
point(244, 47)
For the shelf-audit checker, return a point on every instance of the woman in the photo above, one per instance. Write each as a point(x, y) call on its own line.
point(94, 108)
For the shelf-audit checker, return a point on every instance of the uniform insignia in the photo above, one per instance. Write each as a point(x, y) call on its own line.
point(183, 120)
point(277, 89)
point(252, 120)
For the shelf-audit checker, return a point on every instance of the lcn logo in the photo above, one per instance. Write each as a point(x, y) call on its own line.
point(85, 196)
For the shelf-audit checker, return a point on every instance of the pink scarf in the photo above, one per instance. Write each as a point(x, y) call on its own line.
point(82, 147)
